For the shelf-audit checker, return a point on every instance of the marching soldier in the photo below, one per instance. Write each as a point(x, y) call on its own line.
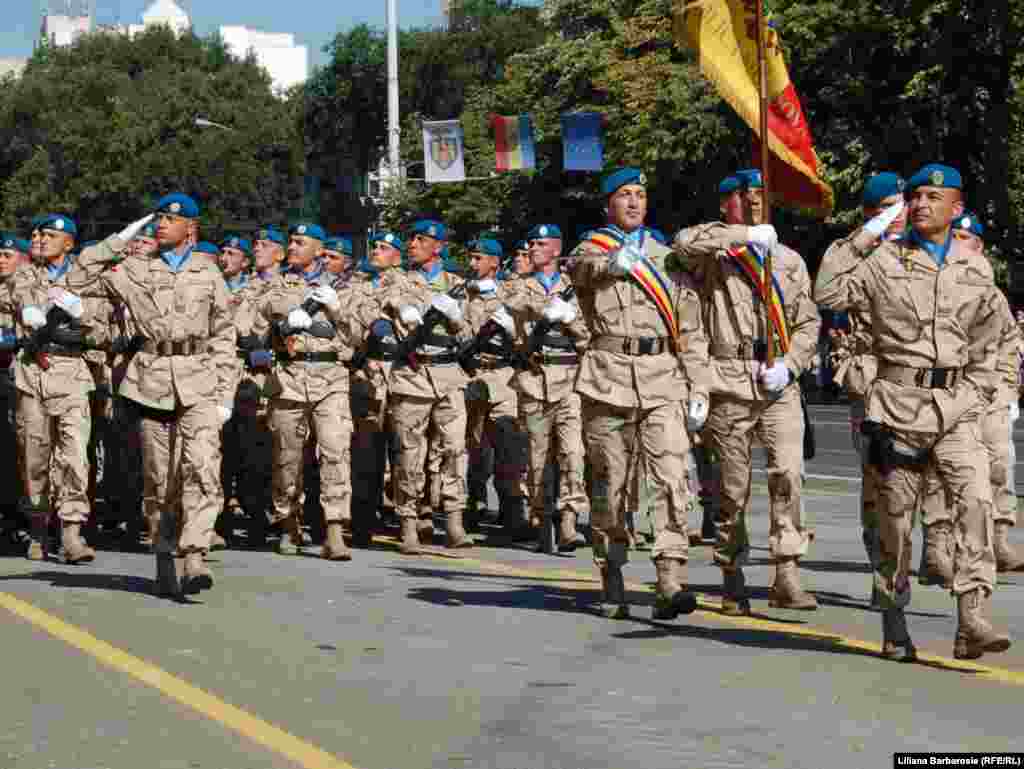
point(338, 260)
point(12, 251)
point(633, 389)
point(427, 399)
point(55, 384)
point(549, 408)
point(373, 437)
point(180, 380)
point(935, 331)
point(749, 396)
point(490, 400)
point(309, 388)
point(856, 366)
point(268, 255)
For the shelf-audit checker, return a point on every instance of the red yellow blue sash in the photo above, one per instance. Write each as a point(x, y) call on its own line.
point(751, 264)
point(647, 276)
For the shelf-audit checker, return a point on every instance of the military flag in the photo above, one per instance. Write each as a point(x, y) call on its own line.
point(443, 153)
point(513, 142)
point(583, 148)
point(724, 35)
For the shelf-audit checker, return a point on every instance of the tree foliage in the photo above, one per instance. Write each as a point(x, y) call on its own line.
point(107, 126)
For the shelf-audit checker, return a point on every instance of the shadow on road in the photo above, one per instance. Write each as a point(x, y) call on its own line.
point(87, 579)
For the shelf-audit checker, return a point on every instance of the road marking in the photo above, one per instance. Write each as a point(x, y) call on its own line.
point(572, 579)
point(259, 731)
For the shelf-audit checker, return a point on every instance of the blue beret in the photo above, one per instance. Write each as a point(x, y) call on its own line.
point(55, 222)
point(22, 245)
point(309, 229)
point(936, 175)
point(431, 228)
point(149, 231)
point(9, 241)
point(750, 178)
point(387, 238)
point(729, 185)
point(36, 220)
point(271, 234)
point(242, 244)
point(522, 245)
point(620, 178)
point(179, 204)
point(89, 244)
point(341, 244)
point(881, 186)
point(488, 246)
point(658, 235)
point(206, 247)
point(544, 231)
point(970, 222)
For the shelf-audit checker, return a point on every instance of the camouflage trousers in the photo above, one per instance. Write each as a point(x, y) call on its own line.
point(329, 422)
point(960, 464)
point(555, 434)
point(731, 427)
point(53, 444)
point(371, 438)
point(417, 422)
point(496, 425)
point(181, 478)
point(619, 441)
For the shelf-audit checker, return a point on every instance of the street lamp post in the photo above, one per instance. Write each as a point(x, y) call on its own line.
point(394, 132)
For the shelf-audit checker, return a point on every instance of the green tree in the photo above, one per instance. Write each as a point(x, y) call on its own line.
point(105, 127)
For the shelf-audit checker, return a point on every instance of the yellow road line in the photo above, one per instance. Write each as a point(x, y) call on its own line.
point(259, 731)
point(572, 579)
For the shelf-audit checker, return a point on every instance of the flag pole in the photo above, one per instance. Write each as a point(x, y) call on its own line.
point(766, 215)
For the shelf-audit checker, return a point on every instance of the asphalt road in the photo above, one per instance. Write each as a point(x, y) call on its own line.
point(492, 660)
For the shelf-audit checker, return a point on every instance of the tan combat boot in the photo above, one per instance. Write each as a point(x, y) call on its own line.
point(975, 634)
point(410, 544)
point(291, 537)
point(39, 535)
point(896, 643)
point(425, 530)
point(735, 602)
point(1006, 557)
point(614, 604)
point(197, 574)
point(167, 584)
point(787, 592)
point(568, 538)
point(334, 548)
point(75, 549)
point(672, 597)
point(457, 537)
point(937, 555)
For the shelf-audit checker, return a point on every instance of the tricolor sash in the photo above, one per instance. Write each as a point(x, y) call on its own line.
point(647, 276)
point(751, 264)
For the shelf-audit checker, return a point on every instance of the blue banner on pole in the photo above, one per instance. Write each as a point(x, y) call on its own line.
point(581, 141)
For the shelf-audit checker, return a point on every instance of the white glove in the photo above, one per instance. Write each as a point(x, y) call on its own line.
point(133, 229)
point(775, 378)
point(764, 235)
point(447, 306)
point(410, 315)
point(503, 319)
point(224, 413)
point(326, 296)
point(696, 413)
point(621, 262)
point(33, 317)
point(299, 320)
point(485, 286)
point(880, 223)
point(70, 303)
point(559, 311)
point(1014, 412)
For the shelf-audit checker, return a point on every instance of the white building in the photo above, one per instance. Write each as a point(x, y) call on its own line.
point(286, 62)
point(11, 66)
point(61, 30)
point(165, 13)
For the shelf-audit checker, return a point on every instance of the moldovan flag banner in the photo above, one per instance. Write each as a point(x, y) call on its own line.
point(443, 151)
point(513, 142)
point(723, 33)
point(582, 147)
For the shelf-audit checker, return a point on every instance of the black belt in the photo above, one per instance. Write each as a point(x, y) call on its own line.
point(183, 347)
point(439, 359)
point(382, 355)
point(748, 349)
point(61, 352)
point(560, 360)
point(632, 345)
point(492, 365)
point(311, 357)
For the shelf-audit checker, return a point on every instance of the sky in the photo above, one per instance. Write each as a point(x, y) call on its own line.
point(313, 22)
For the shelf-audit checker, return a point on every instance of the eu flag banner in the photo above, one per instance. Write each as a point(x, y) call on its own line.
point(581, 141)
point(513, 142)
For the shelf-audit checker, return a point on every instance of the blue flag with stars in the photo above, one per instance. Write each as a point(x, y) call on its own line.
point(581, 141)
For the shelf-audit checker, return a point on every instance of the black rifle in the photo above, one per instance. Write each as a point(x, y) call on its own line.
point(540, 330)
point(408, 346)
point(280, 331)
point(56, 319)
point(470, 352)
point(373, 346)
point(810, 444)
